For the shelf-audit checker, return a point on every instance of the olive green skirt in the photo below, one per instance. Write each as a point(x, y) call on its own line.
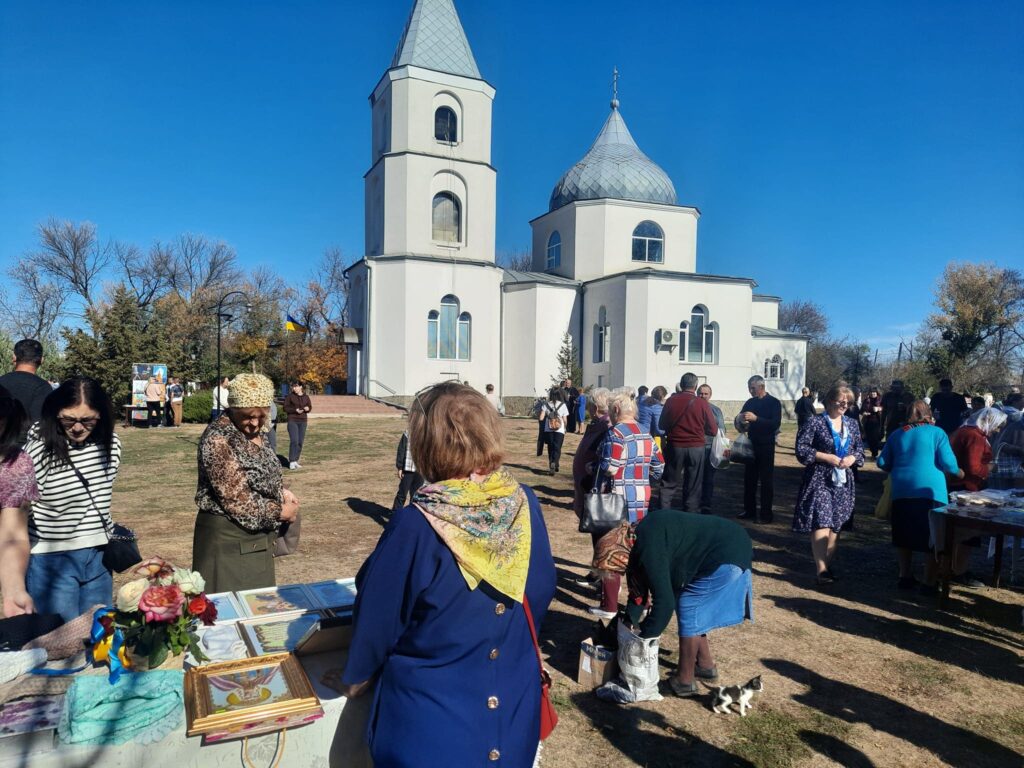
point(231, 558)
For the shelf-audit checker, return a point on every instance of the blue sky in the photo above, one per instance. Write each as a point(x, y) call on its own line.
point(839, 152)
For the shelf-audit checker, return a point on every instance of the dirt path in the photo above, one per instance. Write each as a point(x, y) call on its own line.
point(858, 675)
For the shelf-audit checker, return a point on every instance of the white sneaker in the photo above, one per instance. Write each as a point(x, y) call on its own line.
point(297, 465)
point(293, 465)
point(602, 614)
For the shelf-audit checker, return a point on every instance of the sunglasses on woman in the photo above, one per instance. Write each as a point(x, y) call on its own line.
point(69, 421)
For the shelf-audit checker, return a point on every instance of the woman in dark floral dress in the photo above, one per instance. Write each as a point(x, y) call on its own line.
point(829, 446)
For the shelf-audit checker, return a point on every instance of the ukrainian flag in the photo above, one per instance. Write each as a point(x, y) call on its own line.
point(291, 324)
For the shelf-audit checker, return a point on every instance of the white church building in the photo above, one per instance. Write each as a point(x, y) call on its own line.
point(614, 256)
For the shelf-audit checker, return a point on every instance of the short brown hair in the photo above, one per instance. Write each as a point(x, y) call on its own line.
point(836, 391)
point(920, 413)
point(454, 431)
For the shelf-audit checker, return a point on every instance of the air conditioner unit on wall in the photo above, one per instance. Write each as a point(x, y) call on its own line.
point(668, 337)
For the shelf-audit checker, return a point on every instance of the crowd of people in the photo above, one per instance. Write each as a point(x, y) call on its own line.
point(459, 583)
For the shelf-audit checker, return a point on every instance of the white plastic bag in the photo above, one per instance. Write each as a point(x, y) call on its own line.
point(721, 447)
point(638, 669)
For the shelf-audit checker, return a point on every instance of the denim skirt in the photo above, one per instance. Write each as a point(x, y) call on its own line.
point(720, 599)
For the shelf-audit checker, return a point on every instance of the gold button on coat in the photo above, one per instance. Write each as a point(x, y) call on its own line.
point(499, 608)
point(492, 702)
point(493, 654)
point(494, 754)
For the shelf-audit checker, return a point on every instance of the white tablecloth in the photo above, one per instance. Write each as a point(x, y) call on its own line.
point(337, 740)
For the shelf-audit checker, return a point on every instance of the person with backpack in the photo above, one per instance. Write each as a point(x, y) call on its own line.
point(553, 415)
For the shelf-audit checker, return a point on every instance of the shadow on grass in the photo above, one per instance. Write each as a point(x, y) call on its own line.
point(838, 751)
point(969, 653)
point(629, 730)
point(535, 470)
point(951, 744)
point(371, 509)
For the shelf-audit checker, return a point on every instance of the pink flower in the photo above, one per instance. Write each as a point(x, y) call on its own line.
point(162, 603)
point(156, 569)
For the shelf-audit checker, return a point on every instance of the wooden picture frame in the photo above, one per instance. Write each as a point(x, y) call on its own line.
point(229, 609)
point(281, 633)
point(234, 694)
point(272, 601)
point(337, 595)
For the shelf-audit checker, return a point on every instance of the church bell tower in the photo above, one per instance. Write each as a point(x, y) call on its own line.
point(430, 189)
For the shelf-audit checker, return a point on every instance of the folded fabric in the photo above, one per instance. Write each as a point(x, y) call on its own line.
point(33, 686)
point(15, 663)
point(143, 707)
point(68, 639)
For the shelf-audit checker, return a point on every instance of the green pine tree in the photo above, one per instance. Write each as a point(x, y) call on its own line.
point(568, 363)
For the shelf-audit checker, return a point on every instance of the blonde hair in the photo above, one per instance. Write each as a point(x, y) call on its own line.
point(599, 397)
point(621, 404)
point(453, 432)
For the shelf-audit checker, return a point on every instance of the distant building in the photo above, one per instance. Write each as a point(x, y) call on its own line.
point(614, 255)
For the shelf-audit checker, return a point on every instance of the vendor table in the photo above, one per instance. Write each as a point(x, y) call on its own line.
point(337, 740)
point(951, 525)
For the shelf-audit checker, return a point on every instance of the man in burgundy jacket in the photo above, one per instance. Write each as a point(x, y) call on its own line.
point(685, 420)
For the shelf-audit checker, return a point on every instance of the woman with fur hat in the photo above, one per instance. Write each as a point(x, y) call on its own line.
point(240, 494)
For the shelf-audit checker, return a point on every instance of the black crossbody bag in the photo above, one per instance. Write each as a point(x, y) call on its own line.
point(122, 550)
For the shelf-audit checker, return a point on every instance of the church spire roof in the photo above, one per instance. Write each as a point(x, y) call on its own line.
point(614, 167)
point(434, 39)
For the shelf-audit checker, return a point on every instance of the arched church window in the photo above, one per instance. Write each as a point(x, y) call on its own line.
point(447, 218)
point(449, 331)
point(648, 242)
point(602, 337)
point(698, 337)
point(462, 352)
point(446, 125)
point(554, 252)
point(773, 367)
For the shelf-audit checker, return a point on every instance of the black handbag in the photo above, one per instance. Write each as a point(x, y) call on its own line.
point(602, 511)
point(122, 549)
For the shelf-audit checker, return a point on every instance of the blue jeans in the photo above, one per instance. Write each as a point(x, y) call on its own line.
point(69, 583)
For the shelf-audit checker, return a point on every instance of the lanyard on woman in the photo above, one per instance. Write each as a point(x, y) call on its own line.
point(841, 439)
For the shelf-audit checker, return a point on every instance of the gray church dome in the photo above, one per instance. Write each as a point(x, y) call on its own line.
point(614, 167)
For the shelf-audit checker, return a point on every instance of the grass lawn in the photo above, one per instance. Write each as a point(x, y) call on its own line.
point(857, 675)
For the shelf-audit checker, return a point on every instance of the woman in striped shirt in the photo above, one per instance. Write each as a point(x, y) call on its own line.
point(76, 455)
point(632, 459)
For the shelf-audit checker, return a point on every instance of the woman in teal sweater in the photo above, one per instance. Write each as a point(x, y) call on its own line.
point(698, 566)
point(917, 457)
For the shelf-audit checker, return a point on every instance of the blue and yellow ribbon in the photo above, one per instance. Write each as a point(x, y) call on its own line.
point(108, 644)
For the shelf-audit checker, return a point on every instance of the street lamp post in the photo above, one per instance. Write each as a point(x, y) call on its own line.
point(221, 315)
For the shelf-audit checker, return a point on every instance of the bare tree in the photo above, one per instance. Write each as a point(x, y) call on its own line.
point(803, 317)
point(200, 266)
point(147, 275)
point(37, 305)
point(518, 260)
point(323, 303)
point(70, 254)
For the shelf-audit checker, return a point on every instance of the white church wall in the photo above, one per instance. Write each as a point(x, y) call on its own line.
point(765, 312)
point(611, 295)
point(793, 352)
point(403, 292)
point(410, 183)
point(536, 317)
point(603, 242)
point(664, 303)
point(562, 221)
point(413, 94)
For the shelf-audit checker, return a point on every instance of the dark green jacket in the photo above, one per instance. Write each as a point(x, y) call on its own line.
point(675, 548)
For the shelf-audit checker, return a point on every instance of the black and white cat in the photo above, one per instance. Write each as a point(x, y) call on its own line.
point(742, 695)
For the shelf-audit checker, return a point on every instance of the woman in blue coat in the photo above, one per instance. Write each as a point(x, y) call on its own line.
point(440, 629)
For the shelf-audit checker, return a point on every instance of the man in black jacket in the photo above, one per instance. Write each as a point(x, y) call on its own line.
point(23, 383)
point(761, 419)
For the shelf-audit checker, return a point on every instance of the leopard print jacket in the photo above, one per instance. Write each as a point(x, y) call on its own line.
point(238, 478)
